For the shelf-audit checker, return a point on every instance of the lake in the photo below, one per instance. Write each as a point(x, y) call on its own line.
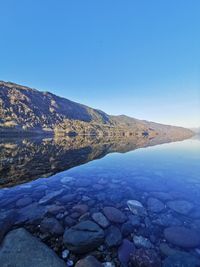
point(105, 197)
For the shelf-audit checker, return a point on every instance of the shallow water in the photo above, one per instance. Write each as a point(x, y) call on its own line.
point(167, 173)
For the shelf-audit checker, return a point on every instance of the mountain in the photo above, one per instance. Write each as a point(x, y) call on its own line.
point(196, 130)
point(28, 111)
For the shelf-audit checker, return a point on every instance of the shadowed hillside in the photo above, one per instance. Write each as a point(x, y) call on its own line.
point(25, 111)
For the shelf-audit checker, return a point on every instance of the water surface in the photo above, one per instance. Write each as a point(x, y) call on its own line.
point(99, 174)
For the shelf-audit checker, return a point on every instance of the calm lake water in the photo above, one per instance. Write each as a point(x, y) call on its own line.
point(70, 180)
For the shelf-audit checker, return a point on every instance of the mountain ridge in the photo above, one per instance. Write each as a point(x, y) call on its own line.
point(27, 110)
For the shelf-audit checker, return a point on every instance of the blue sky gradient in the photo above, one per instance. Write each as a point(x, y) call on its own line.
point(139, 58)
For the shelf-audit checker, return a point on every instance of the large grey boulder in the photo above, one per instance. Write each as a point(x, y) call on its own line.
point(83, 237)
point(21, 249)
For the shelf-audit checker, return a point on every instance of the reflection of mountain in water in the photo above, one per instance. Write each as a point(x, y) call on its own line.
point(23, 160)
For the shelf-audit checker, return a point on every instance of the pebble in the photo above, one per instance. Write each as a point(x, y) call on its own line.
point(134, 220)
point(65, 254)
point(69, 221)
point(155, 205)
point(125, 251)
point(89, 261)
point(113, 236)
point(99, 218)
point(145, 258)
point(108, 264)
point(142, 242)
point(52, 226)
point(114, 215)
point(83, 237)
point(80, 208)
point(49, 197)
point(70, 263)
point(66, 179)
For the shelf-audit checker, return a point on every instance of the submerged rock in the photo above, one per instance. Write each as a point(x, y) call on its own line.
point(164, 196)
point(89, 261)
point(181, 259)
point(7, 220)
point(108, 264)
point(66, 179)
point(182, 237)
point(70, 263)
point(125, 251)
point(65, 254)
point(166, 250)
point(49, 197)
point(32, 213)
point(114, 215)
point(127, 229)
point(83, 237)
point(67, 198)
point(145, 258)
point(24, 201)
point(136, 207)
point(113, 236)
point(155, 205)
point(166, 219)
point(21, 249)
point(55, 209)
point(80, 208)
point(142, 242)
point(69, 221)
point(181, 206)
point(135, 220)
point(51, 226)
point(99, 218)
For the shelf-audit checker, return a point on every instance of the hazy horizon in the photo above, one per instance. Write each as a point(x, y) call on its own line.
point(140, 59)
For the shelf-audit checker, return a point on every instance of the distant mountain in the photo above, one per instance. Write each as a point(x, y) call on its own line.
point(196, 130)
point(26, 111)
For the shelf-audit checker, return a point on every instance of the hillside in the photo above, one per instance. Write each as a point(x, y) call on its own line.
point(24, 110)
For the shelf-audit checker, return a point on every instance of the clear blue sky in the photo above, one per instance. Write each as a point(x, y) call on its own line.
point(134, 57)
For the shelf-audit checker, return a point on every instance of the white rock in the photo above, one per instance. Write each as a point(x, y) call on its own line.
point(142, 242)
point(65, 254)
point(66, 179)
point(136, 207)
point(50, 196)
point(108, 264)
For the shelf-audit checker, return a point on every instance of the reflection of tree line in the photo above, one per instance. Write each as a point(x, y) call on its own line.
point(22, 160)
